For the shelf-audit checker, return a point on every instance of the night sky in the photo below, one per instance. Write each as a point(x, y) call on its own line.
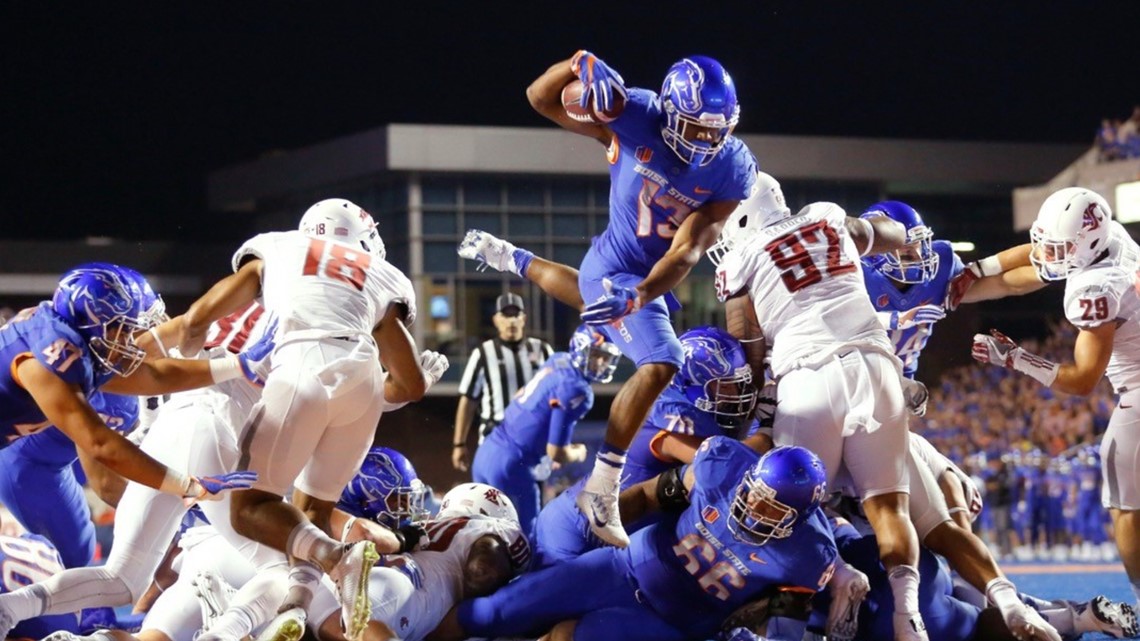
point(114, 115)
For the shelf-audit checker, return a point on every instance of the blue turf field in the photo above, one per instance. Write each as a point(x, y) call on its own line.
point(1078, 581)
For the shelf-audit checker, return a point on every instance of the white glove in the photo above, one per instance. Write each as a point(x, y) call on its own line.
point(915, 395)
point(434, 365)
point(848, 588)
point(999, 349)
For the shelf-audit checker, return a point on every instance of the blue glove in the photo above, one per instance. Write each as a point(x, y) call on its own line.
point(210, 487)
point(253, 357)
point(599, 81)
point(618, 302)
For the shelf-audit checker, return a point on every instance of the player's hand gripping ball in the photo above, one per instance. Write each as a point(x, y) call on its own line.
point(572, 102)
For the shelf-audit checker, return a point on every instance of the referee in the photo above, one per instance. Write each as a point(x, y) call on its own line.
point(495, 370)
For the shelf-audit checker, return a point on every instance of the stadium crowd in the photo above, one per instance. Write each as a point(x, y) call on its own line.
point(1119, 139)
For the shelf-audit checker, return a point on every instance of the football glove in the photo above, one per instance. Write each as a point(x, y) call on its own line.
point(617, 303)
point(999, 349)
point(253, 358)
point(599, 81)
point(210, 488)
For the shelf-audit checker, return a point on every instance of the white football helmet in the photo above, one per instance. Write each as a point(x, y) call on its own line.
point(1071, 230)
point(340, 220)
point(477, 499)
point(765, 206)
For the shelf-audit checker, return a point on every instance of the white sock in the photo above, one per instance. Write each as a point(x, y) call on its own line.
point(235, 623)
point(303, 540)
point(1135, 585)
point(608, 465)
point(1063, 620)
point(904, 585)
point(303, 579)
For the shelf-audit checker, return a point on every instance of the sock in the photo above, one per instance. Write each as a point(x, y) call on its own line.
point(303, 541)
point(303, 579)
point(1063, 620)
point(609, 463)
point(234, 624)
point(904, 585)
point(1135, 585)
point(522, 258)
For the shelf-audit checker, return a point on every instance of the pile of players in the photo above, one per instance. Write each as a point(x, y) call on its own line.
point(692, 524)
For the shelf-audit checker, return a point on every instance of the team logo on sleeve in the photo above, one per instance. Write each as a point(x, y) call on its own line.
point(643, 154)
point(710, 514)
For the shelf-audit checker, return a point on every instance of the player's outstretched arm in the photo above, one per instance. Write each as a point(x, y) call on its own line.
point(742, 324)
point(225, 297)
point(65, 407)
point(1015, 282)
point(699, 231)
point(876, 235)
point(1090, 359)
point(545, 96)
point(398, 354)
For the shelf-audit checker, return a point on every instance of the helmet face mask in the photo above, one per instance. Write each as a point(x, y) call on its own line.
point(715, 376)
point(386, 490)
point(341, 220)
point(698, 101)
point(593, 355)
point(104, 304)
point(918, 262)
point(1070, 232)
point(777, 493)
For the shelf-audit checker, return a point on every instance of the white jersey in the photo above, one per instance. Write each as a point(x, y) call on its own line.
point(323, 286)
point(806, 283)
point(1104, 292)
point(436, 571)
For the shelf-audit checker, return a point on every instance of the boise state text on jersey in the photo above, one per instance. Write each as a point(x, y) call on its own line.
point(887, 297)
point(652, 191)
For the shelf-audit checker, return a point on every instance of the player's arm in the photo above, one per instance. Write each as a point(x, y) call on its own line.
point(106, 484)
point(1015, 282)
point(742, 324)
point(165, 376)
point(956, 501)
point(487, 568)
point(679, 448)
point(64, 405)
point(668, 491)
point(545, 96)
point(225, 297)
point(695, 235)
point(564, 415)
point(406, 381)
point(876, 235)
point(1090, 359)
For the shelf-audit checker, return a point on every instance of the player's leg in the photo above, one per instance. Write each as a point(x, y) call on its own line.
point(561, 532)
point(536, 601)
point(501, 467)
point(637, 623)
point(1120, 490)
point(875, 453)
point(47, 500)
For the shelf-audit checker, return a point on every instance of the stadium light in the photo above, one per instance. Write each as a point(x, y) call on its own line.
point(962, 246)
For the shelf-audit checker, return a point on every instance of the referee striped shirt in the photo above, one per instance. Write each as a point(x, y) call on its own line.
point(496, 370)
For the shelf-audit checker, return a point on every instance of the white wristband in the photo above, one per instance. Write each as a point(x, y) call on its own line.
point(1002, 594)
point(990, 266)
point(175, 483)
point(225, 368)
point(1042, 369)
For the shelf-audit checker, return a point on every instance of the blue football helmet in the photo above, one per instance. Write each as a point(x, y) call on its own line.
point(777, 493)
point(698, 93)
point(593, 354)
point(715, 375)
point(154, 308)
point(917, 263)
point(386, 490)
point(104, 303)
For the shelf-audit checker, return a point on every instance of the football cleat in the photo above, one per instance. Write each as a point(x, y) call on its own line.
point(214, 595)
point(351, 577)
point(286, 626)
point(1113, 618)
point(489, 251)
point(910, 627)
point(598, 501)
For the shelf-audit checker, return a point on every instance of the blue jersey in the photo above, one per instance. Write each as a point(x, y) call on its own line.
point(53, 447)
point(546, 409)
point(887, 297)
point(673, 413)
point(695, 572)
point(42, 335)
point(652, 191)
